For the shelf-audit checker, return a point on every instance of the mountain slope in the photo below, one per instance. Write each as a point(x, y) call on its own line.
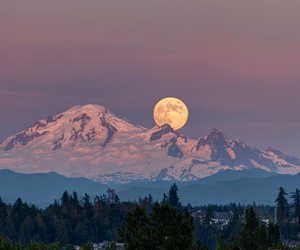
point(90, 141)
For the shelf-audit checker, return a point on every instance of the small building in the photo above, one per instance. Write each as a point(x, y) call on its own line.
point(103, 246)
point(291, 243)
point(222, 219)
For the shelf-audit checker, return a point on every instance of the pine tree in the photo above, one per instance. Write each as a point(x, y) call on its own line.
point(10, 228)
point(165, 198)
point(136, 231)
point(83, 231)
point(234, 225)
point(273, 235)
point(249, 232)
point(61, 234)
point(85, 226)
point(65, 202)
point(173, 196)
point(281, 206)
point(41, 228)
point(166, 228)
point(87, 207)
point(262, 237)
point(296, 205)
point(26, 230)
point(150, 199)
point(74, 207)
point(3, 215)
point(19, 212)
point(112, 197)
point(173, 228)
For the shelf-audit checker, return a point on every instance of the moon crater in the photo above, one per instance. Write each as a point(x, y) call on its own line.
point(171, 111)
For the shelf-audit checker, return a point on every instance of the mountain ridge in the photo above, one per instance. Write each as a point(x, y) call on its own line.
point(244, 187)
point(90, 141)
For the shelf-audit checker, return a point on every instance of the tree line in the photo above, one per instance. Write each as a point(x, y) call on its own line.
point(169, 226)
point(147, 224)
point(68, 221)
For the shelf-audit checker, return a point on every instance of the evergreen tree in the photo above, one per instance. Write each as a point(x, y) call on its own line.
point(75, 199)
point(273, 235)
point(281, 206)
point(173, 196)
point(26, 230)
point(249, 231)
point(112, 197)
point(87, 207)
point(74, 207)
point(262, 237)
point(65, 202)
point(41, 229)
point(150, 199)
point(173, 228)
point(83, 232)
point(61, 234)
point(165, 198)
point(10, 228)
point(136, 231)
point(296, 205)
point(234, 226)
point(166, 228)
point(3, 216)
point(19, 212)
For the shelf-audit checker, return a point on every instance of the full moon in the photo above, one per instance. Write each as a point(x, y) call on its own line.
point(171, 111)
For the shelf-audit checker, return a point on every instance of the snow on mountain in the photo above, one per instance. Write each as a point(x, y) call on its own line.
point(92, 142)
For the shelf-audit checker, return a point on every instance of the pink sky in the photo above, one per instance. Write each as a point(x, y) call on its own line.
point(235, 63)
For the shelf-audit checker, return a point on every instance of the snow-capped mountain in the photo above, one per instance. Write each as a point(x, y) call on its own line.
point(91, 141)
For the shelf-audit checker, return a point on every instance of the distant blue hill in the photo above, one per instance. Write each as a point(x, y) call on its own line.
point(230, 175)
point(43, 188)
point(228, 186)
point(244, 190)
point(243, 187)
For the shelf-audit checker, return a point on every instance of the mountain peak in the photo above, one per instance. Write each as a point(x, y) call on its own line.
point(159, 131)
point(287, 159)
point(217, 135)
point(274, 150)
point(88, 108)
point(216, 131)
point(232, 152)
point(80, 123)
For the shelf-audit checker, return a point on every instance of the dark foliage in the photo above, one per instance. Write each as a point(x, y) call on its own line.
point(68, 221)
point(147, 224)
point(166, 227)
